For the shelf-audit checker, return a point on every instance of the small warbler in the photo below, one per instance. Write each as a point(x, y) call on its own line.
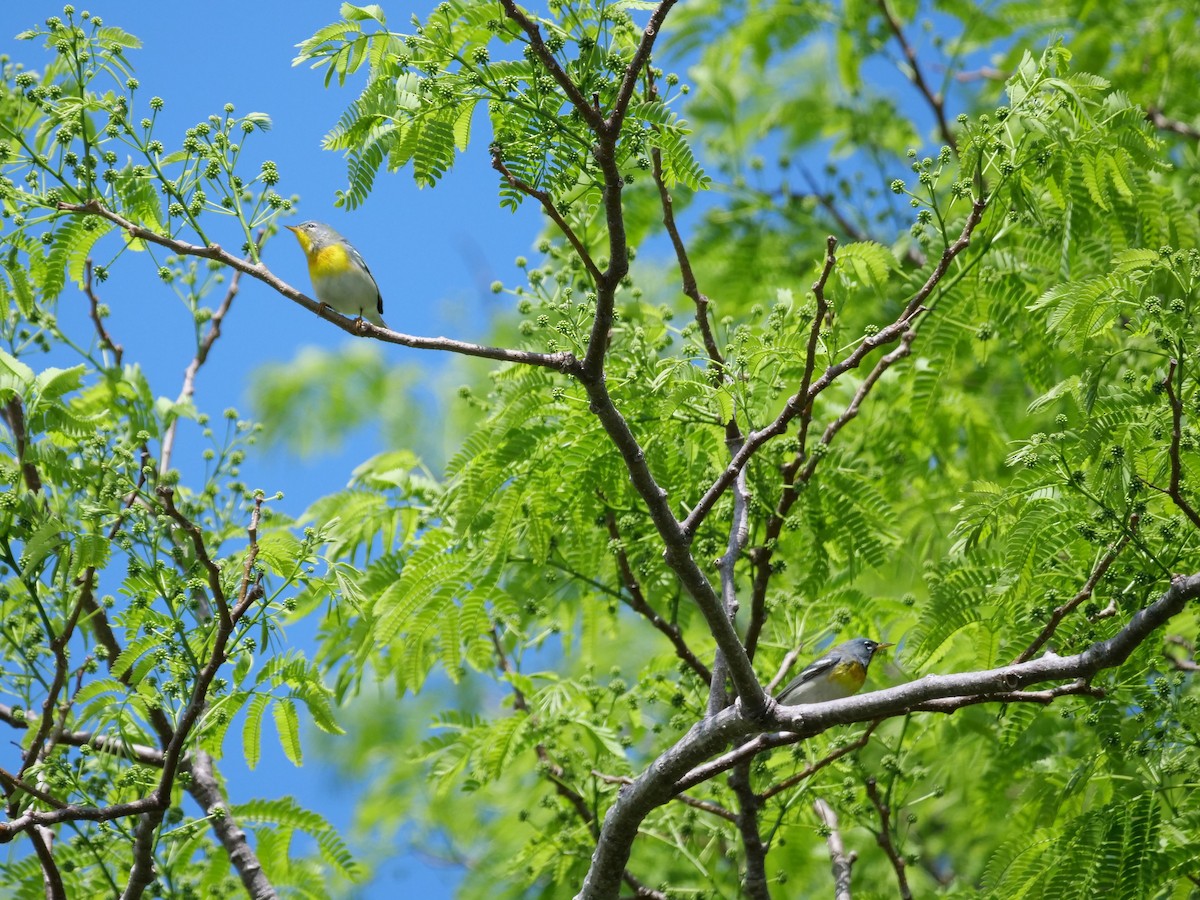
point(839, 673)
point(340, 277)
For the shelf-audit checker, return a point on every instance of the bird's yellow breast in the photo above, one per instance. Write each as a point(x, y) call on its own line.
point(330, 260)
point(850, 674)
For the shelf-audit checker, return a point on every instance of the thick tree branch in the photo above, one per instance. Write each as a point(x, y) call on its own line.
point(837, 850)
point(43, 842)
point(207, 791)
point(560, 362)
point(657, 784)
point(754, 882)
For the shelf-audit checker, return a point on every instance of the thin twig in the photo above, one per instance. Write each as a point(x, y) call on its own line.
point(707, 806)
point(838, 858)
point(884, 838)
point(812, 768)
point(547, 202)
point(14, 416)
point(105, 338)
point(214, 332)
point(936, 101)
point(1084, 594)
point(1175, 488)
point(690, 287)
point(636, 600)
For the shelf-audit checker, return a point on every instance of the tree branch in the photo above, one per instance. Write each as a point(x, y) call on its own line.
point(1175, 489)
point(657, 784)
point(739, 533)
point(884, 838)
point(589, 113)
point(703, 805)
point(1084, 594)
point(798, 402)
point(837, 851)
point(560, 362)
point(214, 331)
point(547, 202)
point(638, 603)
point(14, 416)
point(102, 334)
point(937, 103)
point(207, 791)
point(754, 882)
point(1162, 122)
point(811, 769)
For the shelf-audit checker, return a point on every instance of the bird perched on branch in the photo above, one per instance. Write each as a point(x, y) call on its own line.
point(340, 277)
point(839, 673)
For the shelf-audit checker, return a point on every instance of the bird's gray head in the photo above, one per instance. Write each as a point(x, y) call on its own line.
point(864, 649)
point(314, 235)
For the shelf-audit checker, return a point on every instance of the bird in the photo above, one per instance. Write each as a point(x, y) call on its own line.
point(839, 673)
point(340, 277)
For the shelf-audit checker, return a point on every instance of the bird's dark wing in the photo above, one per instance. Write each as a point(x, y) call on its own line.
point(809, 673)
point(362, 262)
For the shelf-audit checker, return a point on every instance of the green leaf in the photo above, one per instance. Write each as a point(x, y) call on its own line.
point(287, 723)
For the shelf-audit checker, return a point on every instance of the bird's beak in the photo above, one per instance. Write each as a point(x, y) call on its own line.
point(292, 228)
point(883, 645)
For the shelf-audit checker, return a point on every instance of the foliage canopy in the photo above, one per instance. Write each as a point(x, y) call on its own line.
point(931, 378)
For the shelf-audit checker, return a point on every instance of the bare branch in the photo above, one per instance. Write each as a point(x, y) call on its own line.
point(636, 600)
point(837, 850)
point(560, 362)
point(105, 338)
point(1175, 488)
point(884, 838)
point(208, 793)
point(214, 331)
point(547, 202)
point(937, 103)
point(1162, 122)
point(1084, 594)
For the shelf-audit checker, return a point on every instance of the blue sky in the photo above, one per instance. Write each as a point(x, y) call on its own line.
point(433, 252)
